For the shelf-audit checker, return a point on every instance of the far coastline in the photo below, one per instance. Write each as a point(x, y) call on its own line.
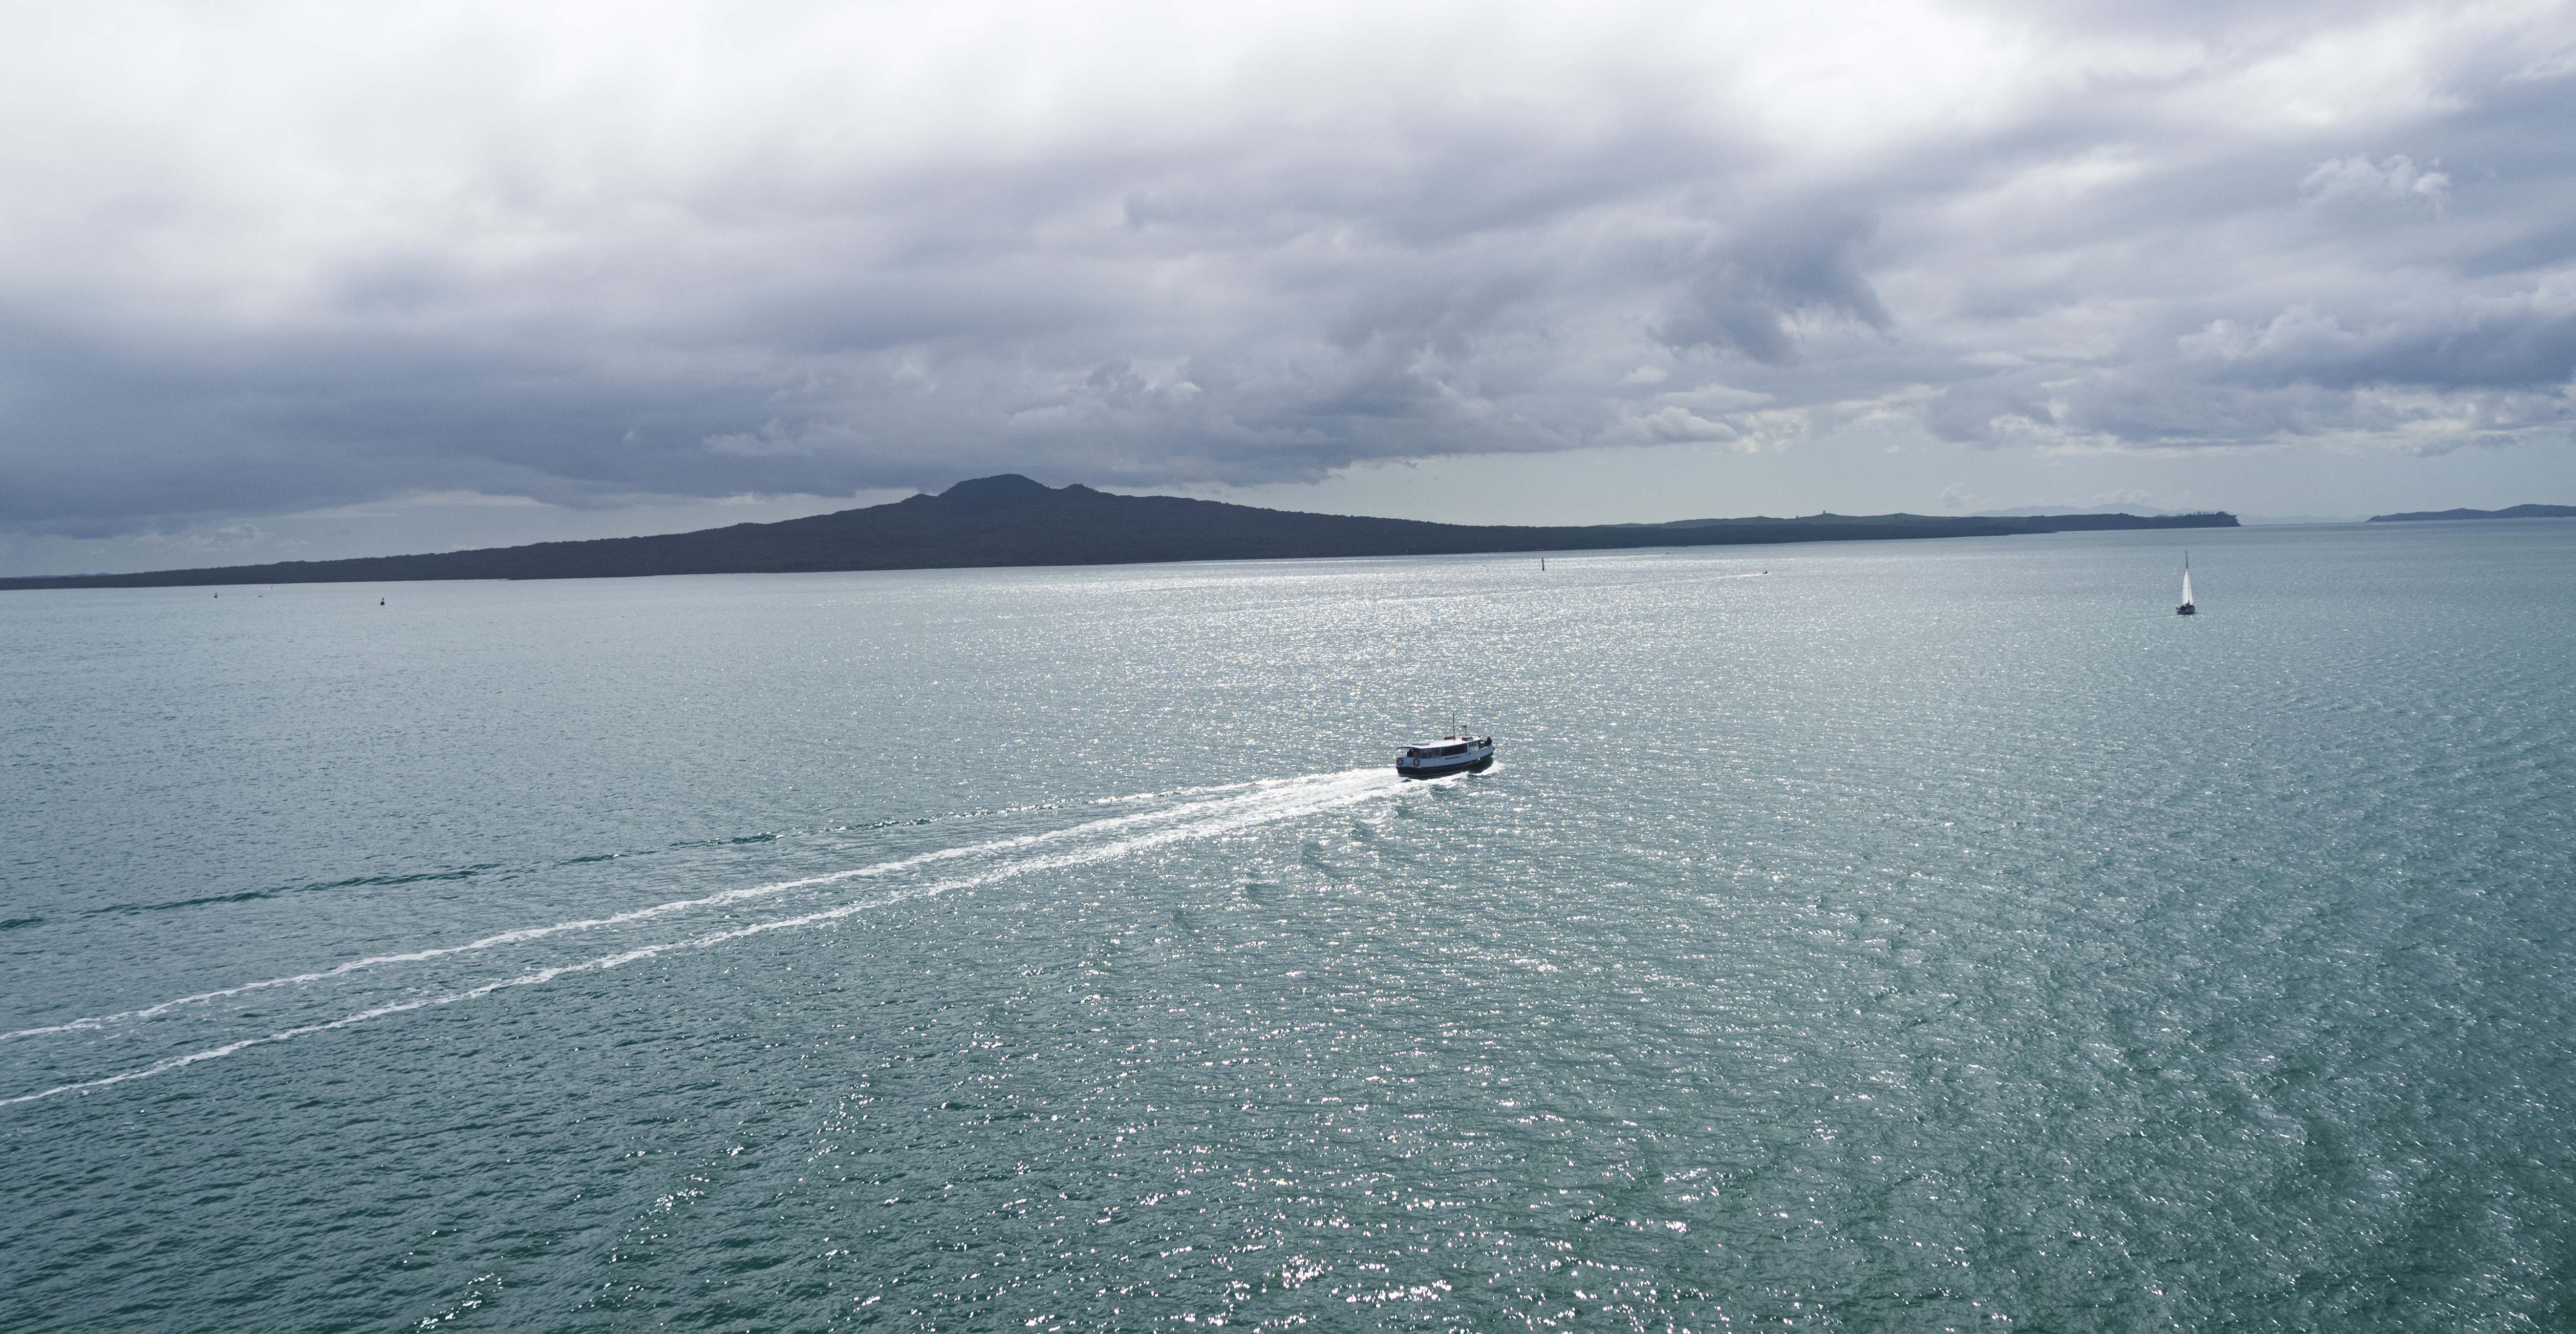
point(1010, 520)
point(2452, 516)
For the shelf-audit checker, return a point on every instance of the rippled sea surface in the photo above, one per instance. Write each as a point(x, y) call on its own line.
point(1928, 935)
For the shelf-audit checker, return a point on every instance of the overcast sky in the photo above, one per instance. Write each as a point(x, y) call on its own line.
point(295, 281)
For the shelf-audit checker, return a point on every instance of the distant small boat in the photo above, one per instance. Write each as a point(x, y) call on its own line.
point(1448, 755)
point(2186, 609)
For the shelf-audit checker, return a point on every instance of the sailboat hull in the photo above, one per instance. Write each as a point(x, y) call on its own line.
point(2186, 609)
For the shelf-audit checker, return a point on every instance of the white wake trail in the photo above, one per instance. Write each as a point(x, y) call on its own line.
point(1245, 795)
point(1326, 796)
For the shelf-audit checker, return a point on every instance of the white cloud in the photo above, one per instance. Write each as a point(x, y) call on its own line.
point(2357, 180)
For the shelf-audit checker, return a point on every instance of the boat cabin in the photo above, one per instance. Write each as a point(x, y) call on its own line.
point(1448, 755)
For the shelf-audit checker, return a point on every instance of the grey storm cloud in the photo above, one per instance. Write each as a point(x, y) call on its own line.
point(272, 258)
point(1751, 285)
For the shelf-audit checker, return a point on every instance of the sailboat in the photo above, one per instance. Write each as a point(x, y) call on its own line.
point(2186, 609)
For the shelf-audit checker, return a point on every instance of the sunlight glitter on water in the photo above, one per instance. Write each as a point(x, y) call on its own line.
point(1909, 938)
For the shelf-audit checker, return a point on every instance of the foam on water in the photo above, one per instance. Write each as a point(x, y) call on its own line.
point(1290, 795)
point(1268, 802)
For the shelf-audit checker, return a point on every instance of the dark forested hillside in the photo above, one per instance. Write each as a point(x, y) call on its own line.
point(1011, 520)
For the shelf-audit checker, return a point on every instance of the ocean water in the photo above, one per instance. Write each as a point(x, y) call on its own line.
point(1929, 935)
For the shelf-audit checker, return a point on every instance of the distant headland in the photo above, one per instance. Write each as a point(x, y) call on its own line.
point(1011, 520)
point(2517, 512)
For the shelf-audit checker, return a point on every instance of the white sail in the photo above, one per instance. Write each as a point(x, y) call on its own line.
point(2186, 588)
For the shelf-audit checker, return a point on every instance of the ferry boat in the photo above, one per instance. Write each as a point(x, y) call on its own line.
point(1448, 755)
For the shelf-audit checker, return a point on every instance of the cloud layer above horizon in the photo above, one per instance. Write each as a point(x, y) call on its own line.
point(269, 258)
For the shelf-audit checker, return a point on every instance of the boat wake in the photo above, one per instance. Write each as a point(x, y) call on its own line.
point(1220, 812)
